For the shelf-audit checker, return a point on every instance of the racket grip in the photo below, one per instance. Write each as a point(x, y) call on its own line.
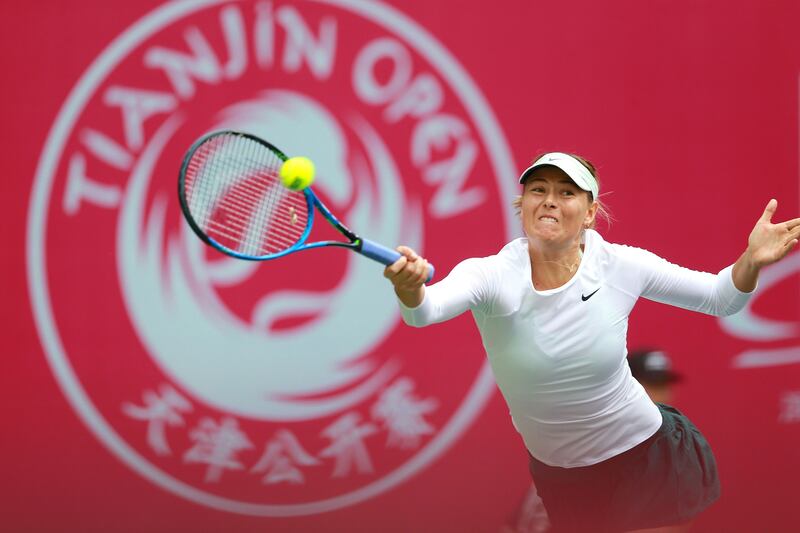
point(387, 256)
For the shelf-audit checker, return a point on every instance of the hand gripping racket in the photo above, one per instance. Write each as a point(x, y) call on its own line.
point(232, 196)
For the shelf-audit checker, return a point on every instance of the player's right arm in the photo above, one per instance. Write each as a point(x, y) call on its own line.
point(464, 288)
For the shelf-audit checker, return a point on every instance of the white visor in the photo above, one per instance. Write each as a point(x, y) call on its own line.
point(571, 166)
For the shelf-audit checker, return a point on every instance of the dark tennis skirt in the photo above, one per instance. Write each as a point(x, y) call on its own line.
point(666, 480)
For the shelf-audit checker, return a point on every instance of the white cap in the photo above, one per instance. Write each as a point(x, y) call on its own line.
point(571, 166)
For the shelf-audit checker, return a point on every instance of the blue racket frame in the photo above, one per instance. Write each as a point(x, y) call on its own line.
point(365, 247)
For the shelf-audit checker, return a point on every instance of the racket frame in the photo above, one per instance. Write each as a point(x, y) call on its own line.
point(355, 243)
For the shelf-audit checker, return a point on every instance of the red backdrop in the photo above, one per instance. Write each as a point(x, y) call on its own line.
point(689, 109)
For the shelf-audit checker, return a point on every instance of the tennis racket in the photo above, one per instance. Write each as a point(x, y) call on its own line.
point(233, 199)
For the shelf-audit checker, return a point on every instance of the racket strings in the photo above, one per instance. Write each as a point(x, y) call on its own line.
point(235, 197)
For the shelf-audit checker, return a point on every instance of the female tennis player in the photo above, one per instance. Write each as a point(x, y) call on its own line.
point(552, 309)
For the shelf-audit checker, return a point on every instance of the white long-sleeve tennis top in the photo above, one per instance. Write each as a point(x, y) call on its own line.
point(559, 355)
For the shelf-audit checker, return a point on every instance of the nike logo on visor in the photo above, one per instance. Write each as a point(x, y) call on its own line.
point(584, 298)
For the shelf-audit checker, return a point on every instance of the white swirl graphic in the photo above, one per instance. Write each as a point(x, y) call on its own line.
point(86, 89)
point(748, 325)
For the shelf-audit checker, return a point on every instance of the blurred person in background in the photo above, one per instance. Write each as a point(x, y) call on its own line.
point(653, 369)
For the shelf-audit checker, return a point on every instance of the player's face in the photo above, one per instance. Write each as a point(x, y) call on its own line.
point(554, 209)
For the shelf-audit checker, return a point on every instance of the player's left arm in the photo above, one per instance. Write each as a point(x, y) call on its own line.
point(767, 244)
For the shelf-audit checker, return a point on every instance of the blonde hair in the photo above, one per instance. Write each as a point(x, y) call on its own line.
point(602, 211)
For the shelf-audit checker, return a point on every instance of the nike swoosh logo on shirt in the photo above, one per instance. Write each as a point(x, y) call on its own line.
point(584, 298)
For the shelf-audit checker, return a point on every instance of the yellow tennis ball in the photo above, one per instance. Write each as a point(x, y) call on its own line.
point(297, 173)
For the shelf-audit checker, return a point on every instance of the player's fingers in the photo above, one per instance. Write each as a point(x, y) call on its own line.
point(402, 269)
point(411, 272)
point(395, 268)
point(417, 267)
point(408, 252)
point(792, 224)
point(772, 205)
point(409, 278)
point(422, 275)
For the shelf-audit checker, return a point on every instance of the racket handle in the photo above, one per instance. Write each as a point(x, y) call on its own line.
point(387, 256)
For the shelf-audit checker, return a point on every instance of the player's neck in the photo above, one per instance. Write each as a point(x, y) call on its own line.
point(553, 267)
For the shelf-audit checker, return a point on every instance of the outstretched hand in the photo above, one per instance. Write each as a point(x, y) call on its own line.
point(770, 242)
point(408, 275)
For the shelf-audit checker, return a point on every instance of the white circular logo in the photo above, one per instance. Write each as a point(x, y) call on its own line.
point(288, 387)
